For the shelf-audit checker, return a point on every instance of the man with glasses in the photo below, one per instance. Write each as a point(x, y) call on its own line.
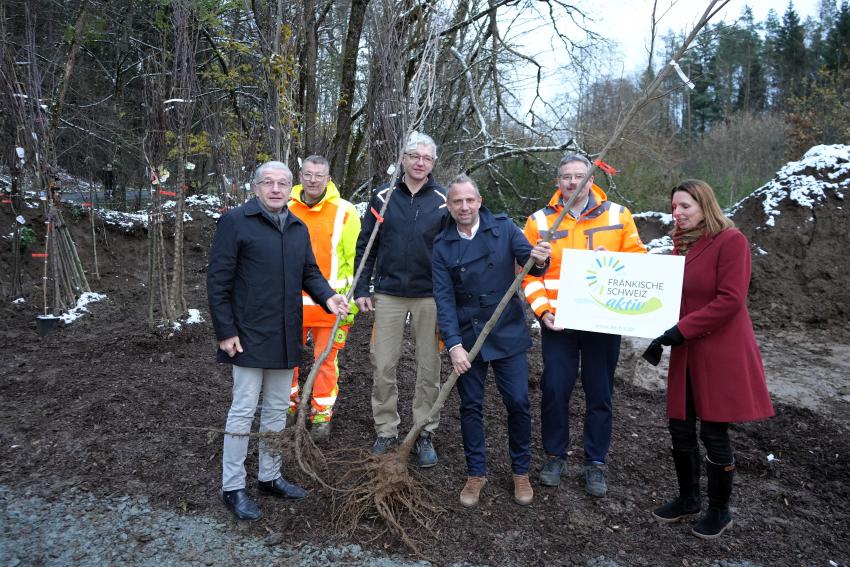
point(399, 264)
point(259, 262)
point(593, 223)
point(334, 226)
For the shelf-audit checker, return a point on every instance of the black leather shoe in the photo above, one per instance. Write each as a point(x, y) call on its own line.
point(283, 489)
point(238, 502)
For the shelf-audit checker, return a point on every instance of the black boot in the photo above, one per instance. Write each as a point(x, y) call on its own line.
point(688, 503)
point(717, 518)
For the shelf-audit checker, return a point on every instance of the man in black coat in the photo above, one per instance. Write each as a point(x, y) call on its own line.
point(260, 261)
point(400, 261)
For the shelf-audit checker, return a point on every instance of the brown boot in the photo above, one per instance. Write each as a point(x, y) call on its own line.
point(472, 490)
point(523, 493)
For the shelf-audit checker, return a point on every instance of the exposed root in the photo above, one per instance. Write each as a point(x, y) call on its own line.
point(309, 457)
point(380, 486)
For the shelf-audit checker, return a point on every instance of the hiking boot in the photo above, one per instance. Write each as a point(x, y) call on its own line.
point(551, 473)
point(384, 444)
point(320, 432)
point(426, 455)
point(471, 492)
point(523, 493)
point(596, 479)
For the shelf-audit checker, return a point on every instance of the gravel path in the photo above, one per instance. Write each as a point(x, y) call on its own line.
point(81, 529)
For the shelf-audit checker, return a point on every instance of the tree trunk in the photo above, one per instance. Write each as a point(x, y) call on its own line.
point(342, 136)
point(62, 87)
point(308, 91)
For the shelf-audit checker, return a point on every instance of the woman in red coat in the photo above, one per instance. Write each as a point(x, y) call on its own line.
point(716, 373)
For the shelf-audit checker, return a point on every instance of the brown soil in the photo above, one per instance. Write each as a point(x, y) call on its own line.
point(106, 406)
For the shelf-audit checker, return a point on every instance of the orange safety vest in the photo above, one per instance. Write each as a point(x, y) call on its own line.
point(603, 224)
point(334, 225)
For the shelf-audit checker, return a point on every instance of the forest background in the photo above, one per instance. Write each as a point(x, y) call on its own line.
point(156, 85)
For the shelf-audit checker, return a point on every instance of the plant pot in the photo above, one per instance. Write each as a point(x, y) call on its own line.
point(46, 323)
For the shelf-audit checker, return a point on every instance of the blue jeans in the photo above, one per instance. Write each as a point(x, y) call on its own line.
point(563, 353)
point(512, 381)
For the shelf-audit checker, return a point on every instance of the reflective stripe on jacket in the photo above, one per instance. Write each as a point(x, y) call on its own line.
point(334, 225)
point(603, 224)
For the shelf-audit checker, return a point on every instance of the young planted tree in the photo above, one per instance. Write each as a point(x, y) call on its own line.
point(37, 129)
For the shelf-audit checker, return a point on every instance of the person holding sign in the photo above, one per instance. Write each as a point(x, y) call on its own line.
point(716, 373)
point(593, 223)
point(474, 263)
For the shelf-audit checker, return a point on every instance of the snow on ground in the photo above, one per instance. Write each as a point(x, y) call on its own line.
point(80, 308)
point(193, 317)
point(796, 182)
point(663, 218)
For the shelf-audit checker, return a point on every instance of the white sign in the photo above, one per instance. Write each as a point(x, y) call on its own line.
point(619, 293)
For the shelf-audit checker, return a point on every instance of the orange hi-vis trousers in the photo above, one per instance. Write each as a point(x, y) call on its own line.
point(326, 387)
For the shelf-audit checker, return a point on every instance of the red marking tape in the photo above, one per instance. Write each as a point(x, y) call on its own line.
point(86, 204)
point(39, 255)
point(605, 167)
point(377, 216)
point(6, 201)
point(169, 193)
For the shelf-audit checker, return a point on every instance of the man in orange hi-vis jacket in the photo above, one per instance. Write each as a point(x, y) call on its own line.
point(593, 223)
point(334, 225)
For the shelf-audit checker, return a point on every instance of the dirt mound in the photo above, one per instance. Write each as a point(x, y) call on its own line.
point(798, 226)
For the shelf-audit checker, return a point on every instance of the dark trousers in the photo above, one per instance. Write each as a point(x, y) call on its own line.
point(714, 434)
point(512, 381)
point(563, 353)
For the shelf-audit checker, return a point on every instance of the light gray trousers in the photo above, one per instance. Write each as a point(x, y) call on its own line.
point(247, 383)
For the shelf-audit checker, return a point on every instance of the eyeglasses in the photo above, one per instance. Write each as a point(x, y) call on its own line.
point(569, 178)
point(416, 157)
point(312, 176)
point(269, 183)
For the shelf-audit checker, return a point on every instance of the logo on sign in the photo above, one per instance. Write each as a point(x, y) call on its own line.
point(611, 287)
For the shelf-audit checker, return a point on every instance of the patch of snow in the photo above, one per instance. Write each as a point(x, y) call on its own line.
point(661, 245)
point(792, 183)
point(19, 301)
point(361, 208)
point(80, 308)
point(760, 251)
point(665, 218)
point(194, 317)
point(126, 221)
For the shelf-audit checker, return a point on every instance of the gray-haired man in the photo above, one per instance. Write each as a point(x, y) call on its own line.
point(259, 262)
point(400, 261)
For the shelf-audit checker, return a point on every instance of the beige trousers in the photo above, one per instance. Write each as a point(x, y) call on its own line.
point(387, 336)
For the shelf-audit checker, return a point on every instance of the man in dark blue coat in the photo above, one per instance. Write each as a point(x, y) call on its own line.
point(475, 261)
point(259, 262)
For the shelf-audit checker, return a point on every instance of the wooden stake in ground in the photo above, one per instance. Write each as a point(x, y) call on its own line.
point(380, 484)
